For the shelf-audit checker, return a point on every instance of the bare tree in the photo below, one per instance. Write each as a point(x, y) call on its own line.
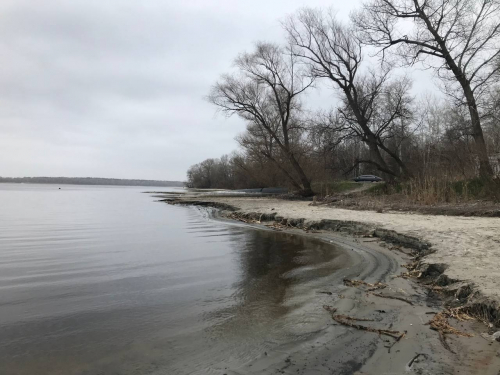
point(202, 175)
point(332, 51)
point(460, 39)
point(258, 141)
point(265, 93)
point(388, 108)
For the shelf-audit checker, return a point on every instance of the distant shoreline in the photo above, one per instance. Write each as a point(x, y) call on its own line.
point(90, 181)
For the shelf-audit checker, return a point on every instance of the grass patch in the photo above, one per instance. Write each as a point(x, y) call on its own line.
point(334, 187)
point(380, 188)
point(476, 188)
point(430, 190)
point(426, 191)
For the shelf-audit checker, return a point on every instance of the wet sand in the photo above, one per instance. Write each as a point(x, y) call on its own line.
point(469, 246)
point(339, 349)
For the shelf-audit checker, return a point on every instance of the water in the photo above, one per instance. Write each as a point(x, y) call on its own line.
point(105, 280)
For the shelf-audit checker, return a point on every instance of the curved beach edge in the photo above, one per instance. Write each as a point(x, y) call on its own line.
point(432, 277)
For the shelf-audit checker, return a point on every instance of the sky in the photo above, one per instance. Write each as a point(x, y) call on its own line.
point(117, 88)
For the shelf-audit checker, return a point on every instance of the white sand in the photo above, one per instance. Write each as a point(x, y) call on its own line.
point(470, 246)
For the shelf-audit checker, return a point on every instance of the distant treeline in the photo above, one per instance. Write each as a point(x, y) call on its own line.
point(89, 181)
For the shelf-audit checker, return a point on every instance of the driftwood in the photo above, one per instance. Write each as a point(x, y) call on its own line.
point(348, 321)
point(398, 248)
point(458, 314)
point(246, 221)
point(329, 293)
point(393, 297)
point(373, 287)
point(411, 266)
point(434, 288)
point(409, 274)
point(377, 286)
point(279, 226)
point(396, 341)
point(415, 358)
point(347, 317)
point(440, 324)
point(356, 283)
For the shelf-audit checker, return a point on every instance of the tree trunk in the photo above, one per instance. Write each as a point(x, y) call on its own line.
point(398, 160)
point(369, 137)
point(285, 172)
point(485, 169)
point(375, 155)
point(306, 184)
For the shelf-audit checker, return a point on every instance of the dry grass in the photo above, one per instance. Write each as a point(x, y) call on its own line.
point(427, 195)
point(431, 190)
point(326, 188)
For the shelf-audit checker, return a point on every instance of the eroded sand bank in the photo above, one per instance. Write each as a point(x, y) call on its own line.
point(346, 350)
point(469, 246)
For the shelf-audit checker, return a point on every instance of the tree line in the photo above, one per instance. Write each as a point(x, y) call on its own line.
point(376, 125)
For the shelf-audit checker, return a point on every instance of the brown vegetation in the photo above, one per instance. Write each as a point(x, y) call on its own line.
point(440, 324)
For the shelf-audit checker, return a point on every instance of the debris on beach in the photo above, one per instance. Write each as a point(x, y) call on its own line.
point(440, 324)
point(356, 283)
point(325, 292)
point(459, 314)
point(393, 297)
point(494, 337)
point(373, 287)
point(409, 274)
point(414, 359)
point(348, 321)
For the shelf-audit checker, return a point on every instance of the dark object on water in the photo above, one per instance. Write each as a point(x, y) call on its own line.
point(367, 178)
point(59, 188)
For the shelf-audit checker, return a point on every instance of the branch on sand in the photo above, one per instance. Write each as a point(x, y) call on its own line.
point(440, 324)
point(393, 297)
point(356, 283)
point(409, 274)
point(348, 321)
point(372, 287)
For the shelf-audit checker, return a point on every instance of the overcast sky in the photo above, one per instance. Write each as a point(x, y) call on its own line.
point(116, 88)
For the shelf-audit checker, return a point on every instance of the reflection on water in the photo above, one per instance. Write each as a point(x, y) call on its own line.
point(103, 280)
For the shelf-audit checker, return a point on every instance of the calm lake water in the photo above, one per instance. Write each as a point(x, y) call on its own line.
point(105, 280)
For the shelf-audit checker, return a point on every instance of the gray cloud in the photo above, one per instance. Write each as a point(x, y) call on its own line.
point(115, 88)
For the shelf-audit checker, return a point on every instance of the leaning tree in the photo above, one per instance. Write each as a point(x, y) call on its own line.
point(265, 93)
point(332, 52)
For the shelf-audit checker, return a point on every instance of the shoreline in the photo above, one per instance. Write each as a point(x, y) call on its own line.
point(419, 340)
point(460, 253)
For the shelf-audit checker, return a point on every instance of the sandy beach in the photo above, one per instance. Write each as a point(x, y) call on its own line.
point(465, 248)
